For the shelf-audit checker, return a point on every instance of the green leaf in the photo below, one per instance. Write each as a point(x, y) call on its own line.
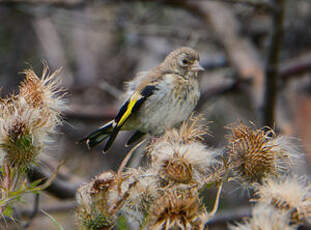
point(8, 211)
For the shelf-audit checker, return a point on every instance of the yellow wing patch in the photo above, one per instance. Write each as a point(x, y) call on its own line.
point(129, 109)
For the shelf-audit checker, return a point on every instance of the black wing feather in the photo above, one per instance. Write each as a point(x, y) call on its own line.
point(145, 93)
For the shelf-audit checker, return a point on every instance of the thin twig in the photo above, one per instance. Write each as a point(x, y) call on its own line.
point(272, 66)
point(216, 204)
point(128, 156)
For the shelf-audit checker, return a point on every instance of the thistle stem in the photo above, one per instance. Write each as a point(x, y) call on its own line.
point(216, 204)
point(128, 157)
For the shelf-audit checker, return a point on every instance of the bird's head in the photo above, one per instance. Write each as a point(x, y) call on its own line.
point(183, 61)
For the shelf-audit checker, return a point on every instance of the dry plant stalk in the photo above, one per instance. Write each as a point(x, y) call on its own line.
point(27, 121)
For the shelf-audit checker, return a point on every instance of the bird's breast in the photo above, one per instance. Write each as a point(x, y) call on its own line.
point(171, 104)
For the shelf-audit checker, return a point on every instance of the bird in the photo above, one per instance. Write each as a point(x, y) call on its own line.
point(157, 100)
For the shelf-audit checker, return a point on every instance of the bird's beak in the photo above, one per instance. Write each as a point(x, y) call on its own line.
point(196, 67)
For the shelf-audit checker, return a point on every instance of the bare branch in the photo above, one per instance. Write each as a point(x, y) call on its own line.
point(272, 67)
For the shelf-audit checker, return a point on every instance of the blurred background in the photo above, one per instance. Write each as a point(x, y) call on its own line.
point(255, 71)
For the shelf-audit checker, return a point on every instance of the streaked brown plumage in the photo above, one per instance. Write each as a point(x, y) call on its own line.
point(159, 99)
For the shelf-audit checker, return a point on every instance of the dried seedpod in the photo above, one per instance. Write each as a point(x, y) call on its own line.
point(44, 91)
point(179, 156)
point(101, 199)
point(258, 153)
point(191, 130)
point(93, 210)
point(28, 119)
point(177, 210)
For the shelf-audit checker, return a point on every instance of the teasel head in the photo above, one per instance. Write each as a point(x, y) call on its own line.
point(25, 125)
point(255, 154)
point(177, 209)
point(265, 217)
point(291, 194)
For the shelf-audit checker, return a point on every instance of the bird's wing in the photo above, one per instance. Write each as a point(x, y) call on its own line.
point(127, 109)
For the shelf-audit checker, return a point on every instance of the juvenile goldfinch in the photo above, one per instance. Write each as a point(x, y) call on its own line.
point(158, 99)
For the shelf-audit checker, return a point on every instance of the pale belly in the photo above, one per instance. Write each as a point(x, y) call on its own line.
point(164, 109)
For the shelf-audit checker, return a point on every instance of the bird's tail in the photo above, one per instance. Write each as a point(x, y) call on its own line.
point(98, 135)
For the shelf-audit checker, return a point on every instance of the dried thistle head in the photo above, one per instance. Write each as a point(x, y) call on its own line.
point(19, 139)
point(255, 153)
point(182, 163)
point(145, 192)
point(191, 130)
point(44, 93)
point(179, 156)
point(292, 194)
point(102, 199)
point(18, 148)
point(27, 119)
point(177, 210)
point(93, 210)
point(265, 217)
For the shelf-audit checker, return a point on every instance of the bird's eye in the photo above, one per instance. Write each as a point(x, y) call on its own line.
point(185, 61)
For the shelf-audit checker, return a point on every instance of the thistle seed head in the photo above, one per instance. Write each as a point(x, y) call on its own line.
point(93, 210)
point(28, 119)
point(256, 154)
point(292, 194)
point(177, 210)
point(179, 156)
point(265, 217)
